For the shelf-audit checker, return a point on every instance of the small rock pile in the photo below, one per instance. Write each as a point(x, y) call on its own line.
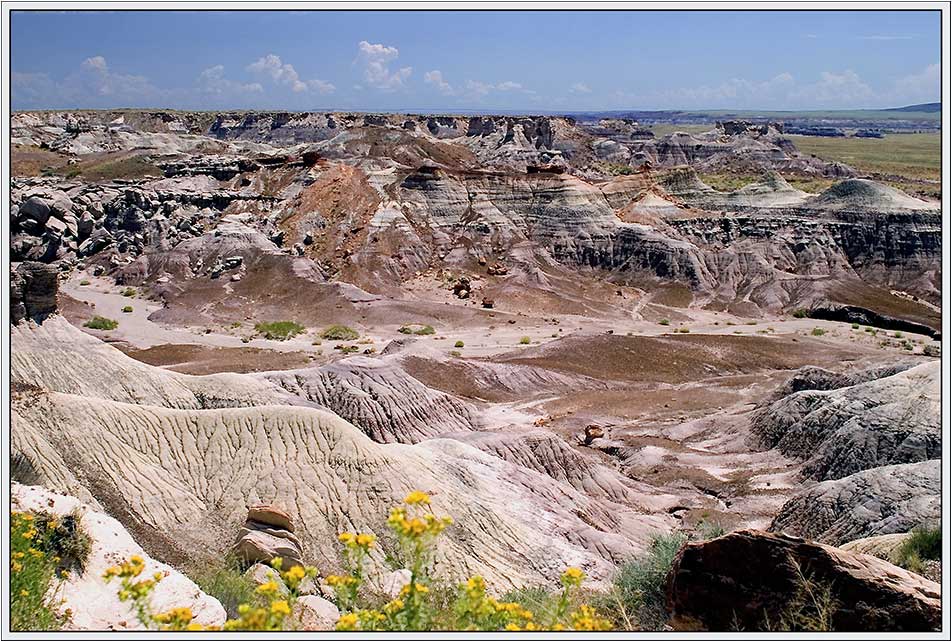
point(268, 532)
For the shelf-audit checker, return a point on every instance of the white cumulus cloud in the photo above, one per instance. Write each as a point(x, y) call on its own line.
point(282, 73)
point(436, 79)
point(376, 59)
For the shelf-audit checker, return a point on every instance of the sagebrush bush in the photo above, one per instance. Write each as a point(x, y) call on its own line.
point(636, 599)
point(101, 323)
point(226, 581)
point(339, 332)
point(279, 330)
point(923, 543)
point(64, 538)
point(418, 329)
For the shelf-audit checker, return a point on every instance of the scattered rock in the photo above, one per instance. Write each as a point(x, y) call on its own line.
point(314, 613)
point(393, 582)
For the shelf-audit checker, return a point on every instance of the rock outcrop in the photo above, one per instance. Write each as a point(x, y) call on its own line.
point(879, 501)
point(33, 288)
point(755, 581)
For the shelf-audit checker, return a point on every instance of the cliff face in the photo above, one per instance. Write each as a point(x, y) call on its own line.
point(375, 199)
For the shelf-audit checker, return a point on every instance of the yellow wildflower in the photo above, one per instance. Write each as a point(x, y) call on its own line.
point(417, 497)
point(393, 606)
point(346, 538)
point(294, 576)
point(366, 540)
point(280, 607)
point(16, 566)
point(572, 576)
point(268, 588)
point(347, 622)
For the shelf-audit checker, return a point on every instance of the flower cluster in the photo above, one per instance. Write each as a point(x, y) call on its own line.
point(138, 592)
point(34, 582)
point(416, 609)
point(270, 615)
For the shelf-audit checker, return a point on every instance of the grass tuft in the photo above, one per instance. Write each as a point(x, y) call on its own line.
point(279, 330)
point(101, 323)
point(339, 332)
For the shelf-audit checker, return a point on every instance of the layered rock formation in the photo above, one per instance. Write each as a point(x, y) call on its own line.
point(878, 501)
point(268, 533)
point(852, 428)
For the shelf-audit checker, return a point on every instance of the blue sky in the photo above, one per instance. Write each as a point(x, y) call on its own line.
point(475, 60)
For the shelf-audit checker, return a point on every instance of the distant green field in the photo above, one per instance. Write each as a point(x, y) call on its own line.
point(911, 162)
point(852, 114)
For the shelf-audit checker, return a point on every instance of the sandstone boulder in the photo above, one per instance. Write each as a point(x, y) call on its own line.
point(272, 516)
point(266, 534)
point(314, 613)
point(750, 580)
point(394, 581)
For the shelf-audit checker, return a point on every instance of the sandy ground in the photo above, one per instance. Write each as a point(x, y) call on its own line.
point(492, 332)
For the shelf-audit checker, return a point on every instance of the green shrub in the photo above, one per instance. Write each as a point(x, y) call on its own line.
point(339, 332)
point(683, 330)
point(225, 580)
point(458, 344)
point(709, 530)
point(922, 544)
point(818, 332)
point(636, 598)
point(525, 341)
point(416, 328)
point(127, 309)
point(101, 323)
point(346, 349)
point(800, 313)
point(279, 330)
point(130, 292)
point(855, 326)
point(84, 282)
point(456, 353)
point(664, 322)
point(898, 335)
